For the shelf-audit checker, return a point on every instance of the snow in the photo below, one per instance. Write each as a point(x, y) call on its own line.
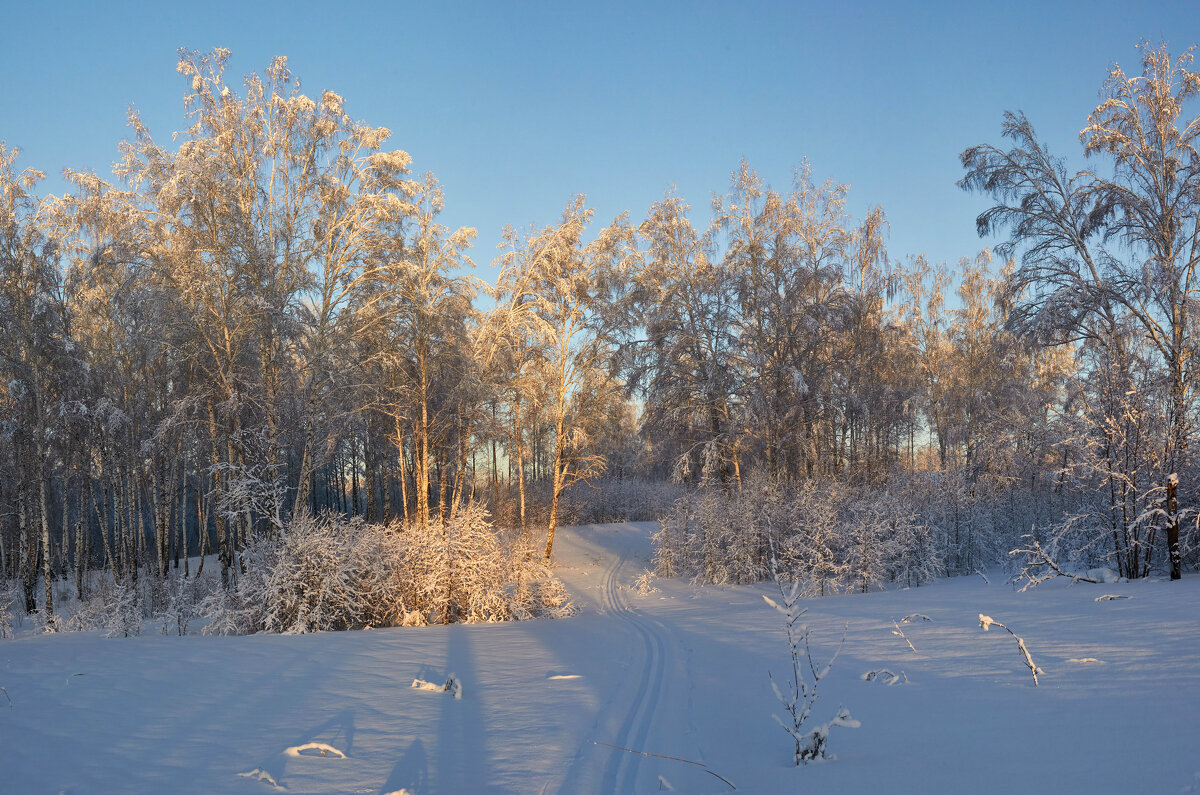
point(324, 749)
point(1104, 575)
point(680, 674)
point(453, 685)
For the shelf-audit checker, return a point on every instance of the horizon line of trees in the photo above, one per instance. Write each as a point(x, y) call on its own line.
point(267, 317)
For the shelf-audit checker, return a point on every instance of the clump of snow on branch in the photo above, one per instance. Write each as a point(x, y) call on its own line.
point(453, 686)
point(258, 774)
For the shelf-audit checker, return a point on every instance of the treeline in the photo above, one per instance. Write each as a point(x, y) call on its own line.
point(267, 318)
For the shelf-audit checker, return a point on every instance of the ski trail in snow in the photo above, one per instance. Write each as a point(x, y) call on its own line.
point(644, 727)
point(659, 658)
point(621, 772)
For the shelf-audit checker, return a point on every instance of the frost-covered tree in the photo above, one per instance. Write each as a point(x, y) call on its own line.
point(1097, 247)
point(421, 308)
point(563, 280)
point(681, 353)
point(38, 364)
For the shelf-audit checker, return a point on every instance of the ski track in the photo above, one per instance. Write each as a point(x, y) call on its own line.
point(621, 771)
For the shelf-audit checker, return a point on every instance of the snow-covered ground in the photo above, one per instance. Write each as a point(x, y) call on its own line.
point(680, 673)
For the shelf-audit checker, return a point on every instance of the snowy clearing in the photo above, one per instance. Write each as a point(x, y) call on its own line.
point(636, 693)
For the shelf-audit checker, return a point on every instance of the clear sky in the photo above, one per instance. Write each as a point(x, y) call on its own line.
point(515, 107)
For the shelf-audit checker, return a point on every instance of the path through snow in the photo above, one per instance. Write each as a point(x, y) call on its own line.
point(679, 673)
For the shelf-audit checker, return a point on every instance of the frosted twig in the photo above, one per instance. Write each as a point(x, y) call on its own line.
point(802, 693)
point(6, 695)
point(661, 756)
point(987, 621)
point(904, 637)
point(1040, 566)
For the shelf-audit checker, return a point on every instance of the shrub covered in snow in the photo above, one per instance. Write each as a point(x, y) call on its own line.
point(827, 537)
point(324, 573)
point(113, 606)
point(183, 597)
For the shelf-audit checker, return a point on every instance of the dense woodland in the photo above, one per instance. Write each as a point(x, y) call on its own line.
point(263, 320)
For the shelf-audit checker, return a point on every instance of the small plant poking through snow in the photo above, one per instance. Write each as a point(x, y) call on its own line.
point(987, 622)
point(644, 585)
point(802, 693)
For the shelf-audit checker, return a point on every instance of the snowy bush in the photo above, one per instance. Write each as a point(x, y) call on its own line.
point(888, 543)
point(124, 612)
point(827, 537)
point(459, 569)
point(309, 578)
point(813, 553)
point(113, 607)
point(670, 541)
point(48, 623)
point(715, 537)
point(228, 613)
point(89, 614)
point(328, 573)
point(644, 584)
point(184, 596)
point(548, 597)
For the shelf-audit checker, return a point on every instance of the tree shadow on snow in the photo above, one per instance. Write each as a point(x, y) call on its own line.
point(462, 762)
point(411, 772)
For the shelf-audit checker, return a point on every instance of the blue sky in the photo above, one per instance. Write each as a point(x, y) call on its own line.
point(515, 107)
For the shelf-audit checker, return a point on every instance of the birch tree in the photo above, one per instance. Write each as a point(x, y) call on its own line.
point(36, 358)
point(564, 282)
point(681, 297)
point(1096, 246)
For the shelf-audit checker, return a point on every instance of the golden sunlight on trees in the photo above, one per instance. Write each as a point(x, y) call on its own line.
point(263, 322)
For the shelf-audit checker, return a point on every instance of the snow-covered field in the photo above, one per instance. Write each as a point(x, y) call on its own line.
point(678, 673)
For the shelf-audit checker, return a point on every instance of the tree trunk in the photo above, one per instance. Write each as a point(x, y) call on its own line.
point(47, 577)
point(1173, 551)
